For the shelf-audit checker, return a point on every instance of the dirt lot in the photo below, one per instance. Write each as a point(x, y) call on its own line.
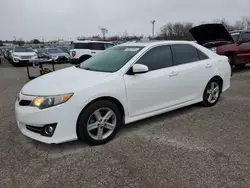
point(190, 147)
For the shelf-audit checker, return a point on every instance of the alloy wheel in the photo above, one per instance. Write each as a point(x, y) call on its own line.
point(101, 124)
point(213, 92)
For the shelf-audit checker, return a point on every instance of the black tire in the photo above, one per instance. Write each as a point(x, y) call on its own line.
point(240, 66)
point(232, 58)
point(84, 117)
point(206, 101)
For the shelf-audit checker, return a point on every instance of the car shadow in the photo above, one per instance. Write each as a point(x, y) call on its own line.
point(241, 70)
point(162, 117)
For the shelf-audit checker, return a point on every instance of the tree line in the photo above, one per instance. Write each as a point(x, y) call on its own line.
point(169, 31)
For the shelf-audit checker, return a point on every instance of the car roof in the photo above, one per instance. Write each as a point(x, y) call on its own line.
point(91, 41)
point(155, 43)
point(239, 31)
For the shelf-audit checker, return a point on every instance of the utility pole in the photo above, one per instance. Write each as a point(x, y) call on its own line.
point(153, 28)
point(104, 32)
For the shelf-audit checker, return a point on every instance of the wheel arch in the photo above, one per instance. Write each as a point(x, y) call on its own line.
point(107, 98)
point(85, 56)
point(217, 77)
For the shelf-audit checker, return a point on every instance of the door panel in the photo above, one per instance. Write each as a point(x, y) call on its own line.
point(151, 91)
point(193, 78)
point(244, 48)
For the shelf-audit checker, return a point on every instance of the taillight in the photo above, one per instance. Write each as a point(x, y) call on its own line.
point(73, 53)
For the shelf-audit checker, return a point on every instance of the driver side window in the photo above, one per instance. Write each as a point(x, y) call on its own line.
point(246, 36)
point(157, 58)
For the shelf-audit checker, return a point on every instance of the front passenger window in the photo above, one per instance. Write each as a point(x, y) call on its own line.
point(157, 58)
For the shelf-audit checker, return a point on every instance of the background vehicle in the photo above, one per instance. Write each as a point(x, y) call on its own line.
point(235, 45)
point(65, 49)
point(56, 54)
point(23, 55)
point(83, 50)
point(121, 85)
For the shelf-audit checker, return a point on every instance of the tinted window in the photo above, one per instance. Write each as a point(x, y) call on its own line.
point(157, 58)
point(81, 46)
point(235, 36)
point(97, 46)
point(184, 53)
point(111, 60)
point(246, 36)
point(202, 56)
point(23, 49)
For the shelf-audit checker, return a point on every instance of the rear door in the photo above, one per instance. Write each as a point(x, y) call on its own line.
point(244, 48)
point(79, 49)
point(194, 70)
point(96, 48)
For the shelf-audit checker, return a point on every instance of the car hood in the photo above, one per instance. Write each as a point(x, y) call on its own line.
point(59, 54)
point(24, 53)
point(63, 81)
point(210, 32)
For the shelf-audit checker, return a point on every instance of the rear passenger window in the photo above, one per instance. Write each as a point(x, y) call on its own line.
point(202, 56)
point(157, 58)
point(184, 53)
point(97, 46)
point(81, 46)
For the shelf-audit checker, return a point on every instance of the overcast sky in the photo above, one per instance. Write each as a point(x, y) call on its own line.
point(30, 19)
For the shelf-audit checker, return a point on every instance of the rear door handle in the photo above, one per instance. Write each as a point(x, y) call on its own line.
point(208, 65)
point(93, 52)
point(173, 73)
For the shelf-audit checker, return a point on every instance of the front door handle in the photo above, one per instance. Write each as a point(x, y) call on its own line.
point(173, 73)
point(208, 65)
point(93, 52)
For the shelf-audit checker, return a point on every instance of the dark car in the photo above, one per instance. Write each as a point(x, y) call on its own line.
point(235, 44)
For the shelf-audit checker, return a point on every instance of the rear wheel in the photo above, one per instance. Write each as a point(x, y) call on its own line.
point(212, 93)
point(99, 122)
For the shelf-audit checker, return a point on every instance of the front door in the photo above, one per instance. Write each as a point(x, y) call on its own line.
point(155, 89)
point(244, 48)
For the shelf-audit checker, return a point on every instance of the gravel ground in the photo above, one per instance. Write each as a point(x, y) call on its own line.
point(191, 147)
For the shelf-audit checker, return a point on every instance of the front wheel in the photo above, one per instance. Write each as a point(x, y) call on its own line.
point(212, 93)
point(99, 122)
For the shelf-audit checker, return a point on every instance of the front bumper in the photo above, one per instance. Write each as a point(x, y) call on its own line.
point(19, 60)
point(64, 116)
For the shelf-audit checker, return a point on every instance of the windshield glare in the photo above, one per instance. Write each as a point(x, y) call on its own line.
point(23, 49)
point(55, 50)
point(112, 59)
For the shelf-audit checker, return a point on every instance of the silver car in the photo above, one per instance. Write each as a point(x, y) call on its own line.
point(56, 54)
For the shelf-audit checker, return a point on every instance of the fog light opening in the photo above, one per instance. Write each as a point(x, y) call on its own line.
point(49, 130)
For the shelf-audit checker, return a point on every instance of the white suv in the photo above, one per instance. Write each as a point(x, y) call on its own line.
point(83, 50)
point(23, 55)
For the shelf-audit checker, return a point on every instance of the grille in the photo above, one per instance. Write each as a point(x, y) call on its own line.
point(34, 129)
point(26, 57)
point(24, 103)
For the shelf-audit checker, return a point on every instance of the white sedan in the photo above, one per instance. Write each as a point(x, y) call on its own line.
point(123, 84)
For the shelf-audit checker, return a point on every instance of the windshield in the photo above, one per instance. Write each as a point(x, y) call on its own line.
point(112, 59)
point(235, 36)
point(23, 49)
point(55, 50)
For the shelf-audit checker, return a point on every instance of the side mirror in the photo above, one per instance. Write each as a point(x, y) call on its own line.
point(139, 69)
point(244, 40)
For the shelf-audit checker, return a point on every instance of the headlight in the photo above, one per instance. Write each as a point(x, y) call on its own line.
point(49, 101)
point(16, 56)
